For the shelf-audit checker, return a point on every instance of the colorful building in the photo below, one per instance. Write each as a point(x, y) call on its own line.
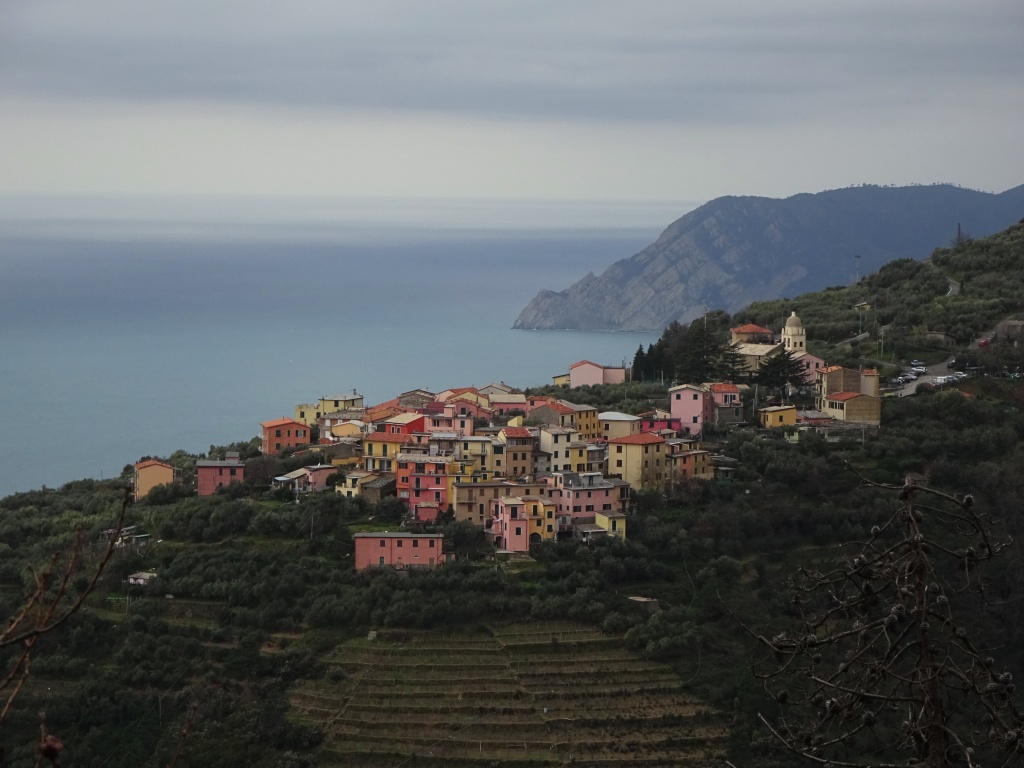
point(516, 522)
point(281, 434)
point(585, 373)
point(380, 450)
point(641, 460)
point(777, 416)
point(693, 405)
point(151, 473)
point(404, 551)
point(849, 395)
point(615, 424)
point(211, 474)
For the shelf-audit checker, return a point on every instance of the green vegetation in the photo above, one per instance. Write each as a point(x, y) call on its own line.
point(254, 639)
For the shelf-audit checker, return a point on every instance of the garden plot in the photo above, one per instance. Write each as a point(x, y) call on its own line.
point(517, 695)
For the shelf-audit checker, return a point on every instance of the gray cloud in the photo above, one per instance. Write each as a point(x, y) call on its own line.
point(701, 62)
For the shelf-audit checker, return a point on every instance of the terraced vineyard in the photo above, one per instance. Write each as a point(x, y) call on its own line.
point(517, 695)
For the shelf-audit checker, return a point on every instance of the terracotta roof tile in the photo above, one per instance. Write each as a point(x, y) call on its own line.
point(517, 432)
point(841, 396)
point(750, 328)
point(280, 423)
point(724, 387)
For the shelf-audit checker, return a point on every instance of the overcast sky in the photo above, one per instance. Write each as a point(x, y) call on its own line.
point(571, 100)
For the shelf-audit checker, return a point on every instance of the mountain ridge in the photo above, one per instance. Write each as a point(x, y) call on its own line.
point(735, 250)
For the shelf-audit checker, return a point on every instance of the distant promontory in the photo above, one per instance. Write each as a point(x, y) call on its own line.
point(736, 250)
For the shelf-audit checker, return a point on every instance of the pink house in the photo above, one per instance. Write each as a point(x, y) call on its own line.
point(211, 475)
point(811, 363)
point(448, 421)
point(693, 405)
point(728, 403)
point(398, 550)
point(586, 373)
point(580, 495)
point(660, 422)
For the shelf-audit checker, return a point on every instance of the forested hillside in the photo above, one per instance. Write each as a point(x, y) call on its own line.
point(252, 645)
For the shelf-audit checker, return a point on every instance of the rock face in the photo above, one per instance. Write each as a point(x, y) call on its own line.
point(735, 250)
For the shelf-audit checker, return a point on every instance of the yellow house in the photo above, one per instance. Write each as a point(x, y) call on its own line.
point(354, 481)
point(347, 429)
point(561, 380)
point(346, 402)
point(151, 473)
point(307, 413)
point(588, 422)
point(641, 460)
point(614, 523)
point(777, 416)
point(615, 425)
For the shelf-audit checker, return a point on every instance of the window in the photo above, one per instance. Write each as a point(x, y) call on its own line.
point(519, 530)
point(679, 396)
point(431, 545)
point(694, 395)
point(232, 471)
point(618, 449)
point(398, 543)
point(695, 419)
point(382, 544)
point(415, 543)
point(277, 433)
point(618, 463)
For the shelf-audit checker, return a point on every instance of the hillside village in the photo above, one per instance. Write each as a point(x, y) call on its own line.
point(529, 468)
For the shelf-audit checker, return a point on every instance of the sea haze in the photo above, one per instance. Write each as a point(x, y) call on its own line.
point(127, 340)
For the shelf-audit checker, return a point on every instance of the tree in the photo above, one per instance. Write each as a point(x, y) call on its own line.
point(697, 355)
point(54, 597)
point(882, 668)
point(638, 363)
point(779, 370)
point(730, 365)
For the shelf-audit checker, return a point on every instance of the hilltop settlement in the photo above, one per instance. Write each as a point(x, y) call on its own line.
point(529, 468)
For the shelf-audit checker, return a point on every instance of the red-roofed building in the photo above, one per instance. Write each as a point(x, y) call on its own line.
point(280, 434)
point(751, 334)
point(849, 395)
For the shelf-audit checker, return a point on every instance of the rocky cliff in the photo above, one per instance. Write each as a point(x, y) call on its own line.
point(735, 250)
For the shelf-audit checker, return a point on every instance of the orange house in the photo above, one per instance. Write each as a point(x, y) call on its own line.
point(280, 434)
point(151, 473)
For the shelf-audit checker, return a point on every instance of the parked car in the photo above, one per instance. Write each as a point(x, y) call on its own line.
point(920, 369)
point(916, 363)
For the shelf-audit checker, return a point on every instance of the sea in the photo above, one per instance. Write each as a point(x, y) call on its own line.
point(132, 329)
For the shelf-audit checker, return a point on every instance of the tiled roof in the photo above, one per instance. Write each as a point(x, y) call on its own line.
point(832, 369)
point(280, 423)
point(644, 438)
point(844, 396)
point(724, 387)
point(751, 328)
point(154, 463)
point(559, 407)
point(585, 362)
point(517, 432)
